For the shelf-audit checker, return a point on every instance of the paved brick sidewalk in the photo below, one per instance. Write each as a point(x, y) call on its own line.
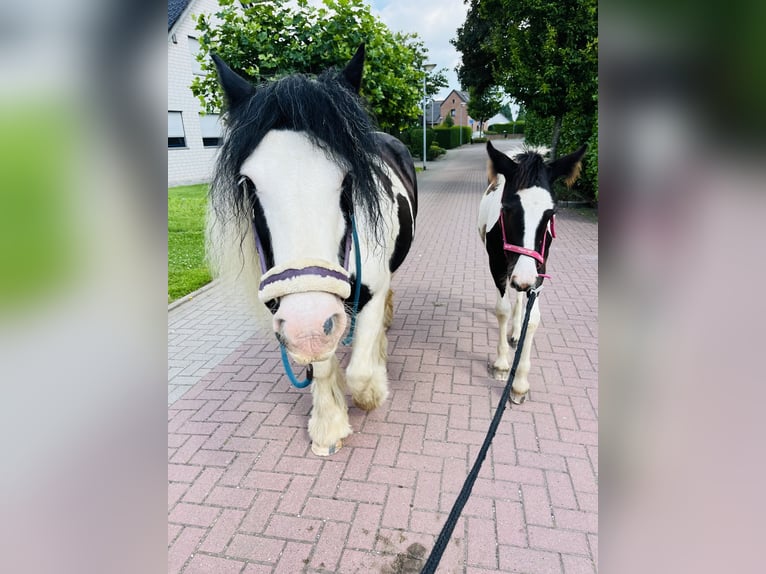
point(245, 494)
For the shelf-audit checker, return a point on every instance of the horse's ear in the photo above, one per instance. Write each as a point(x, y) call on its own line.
point(235, 87)
point(499, 162)
point(568, 167)
point(352, 73)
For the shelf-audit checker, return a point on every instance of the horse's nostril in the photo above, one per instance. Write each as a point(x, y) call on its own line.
point(329, 325)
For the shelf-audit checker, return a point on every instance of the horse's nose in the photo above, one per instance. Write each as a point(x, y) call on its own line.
point(520, 284)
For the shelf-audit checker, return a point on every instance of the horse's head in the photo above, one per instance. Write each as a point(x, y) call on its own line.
point(291, 165)
point(528, 207)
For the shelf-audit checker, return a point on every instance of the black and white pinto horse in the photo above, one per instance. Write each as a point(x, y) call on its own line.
point(516, 224)
point(301, 171)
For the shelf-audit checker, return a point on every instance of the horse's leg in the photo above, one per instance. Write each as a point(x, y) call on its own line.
point(388, 316)
point(366, 371)
point(520, 386)
point(518, 316)
point(502, 365)
point(328, 424)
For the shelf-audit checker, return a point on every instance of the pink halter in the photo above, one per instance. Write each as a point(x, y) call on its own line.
point(540, 257)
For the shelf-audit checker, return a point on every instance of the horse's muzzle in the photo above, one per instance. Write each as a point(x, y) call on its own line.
point(310, 325)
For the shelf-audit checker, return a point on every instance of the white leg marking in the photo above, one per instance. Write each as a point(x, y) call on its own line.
point(520, 383)
point(328, 424)
point(366, 373)
point(503, 312)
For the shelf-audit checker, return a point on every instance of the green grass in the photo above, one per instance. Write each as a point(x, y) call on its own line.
point(187, 270)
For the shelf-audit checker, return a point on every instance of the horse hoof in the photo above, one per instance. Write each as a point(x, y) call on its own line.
point(498, 374)
point(518, 399)
point(326, 450)
point(366, 406)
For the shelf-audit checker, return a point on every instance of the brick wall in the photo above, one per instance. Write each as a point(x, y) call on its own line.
point(192, 164)
point(461, 116)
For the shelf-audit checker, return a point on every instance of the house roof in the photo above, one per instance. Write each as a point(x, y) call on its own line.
point(460, 94)
point(175, 9)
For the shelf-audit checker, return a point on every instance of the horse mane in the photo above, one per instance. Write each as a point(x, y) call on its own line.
point(334, 119)
point(531, 170)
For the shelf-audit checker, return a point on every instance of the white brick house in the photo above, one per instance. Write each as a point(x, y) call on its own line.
point(192, 138)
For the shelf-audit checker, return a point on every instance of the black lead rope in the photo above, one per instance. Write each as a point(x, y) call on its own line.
point(444, 536)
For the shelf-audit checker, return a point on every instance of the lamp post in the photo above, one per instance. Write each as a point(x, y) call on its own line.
point(427, 68)
point(462, 113)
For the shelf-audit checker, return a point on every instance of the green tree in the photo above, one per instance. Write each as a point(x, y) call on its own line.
point(268, 40)
point(543, 53)
point(482, 106)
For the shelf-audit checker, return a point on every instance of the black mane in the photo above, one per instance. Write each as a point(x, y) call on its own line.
point(333, 118)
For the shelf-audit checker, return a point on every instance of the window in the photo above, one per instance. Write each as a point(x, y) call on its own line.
point(194, 50)
point(210, 126)
point(176, 135)
point(452, 112)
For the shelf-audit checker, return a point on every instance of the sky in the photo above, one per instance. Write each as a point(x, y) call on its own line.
point(435, 21)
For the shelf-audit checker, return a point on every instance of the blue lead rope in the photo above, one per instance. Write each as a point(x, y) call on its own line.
point(290, 375)
point(349, 338)
point(358, 289)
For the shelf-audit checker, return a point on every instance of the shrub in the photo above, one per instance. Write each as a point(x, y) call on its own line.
point(449, 138)
point(415, 141)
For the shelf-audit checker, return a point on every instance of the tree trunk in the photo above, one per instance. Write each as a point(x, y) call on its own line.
point(556, 135)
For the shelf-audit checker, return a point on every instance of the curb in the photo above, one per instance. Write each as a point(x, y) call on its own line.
point(190, 296)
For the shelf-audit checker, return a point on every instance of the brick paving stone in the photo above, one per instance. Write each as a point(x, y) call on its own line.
point(202, 564)
point(246, 495)
point(183, 547)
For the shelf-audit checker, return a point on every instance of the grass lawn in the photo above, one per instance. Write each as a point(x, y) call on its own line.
point(186, 240)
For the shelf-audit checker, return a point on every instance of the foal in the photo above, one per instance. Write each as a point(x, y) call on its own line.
point(516, 224)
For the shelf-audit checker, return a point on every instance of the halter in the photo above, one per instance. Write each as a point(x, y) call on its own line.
point(311, 275)
point(540, 257)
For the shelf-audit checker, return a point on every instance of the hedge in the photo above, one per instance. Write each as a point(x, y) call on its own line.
point(511, 128)
point(449, 138)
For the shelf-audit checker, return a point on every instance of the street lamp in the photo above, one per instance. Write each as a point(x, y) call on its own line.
point(427, 68)
point(462, 107)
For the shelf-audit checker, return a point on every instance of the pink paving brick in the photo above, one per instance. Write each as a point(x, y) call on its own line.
point(223, 530)
point(295, 558)
point(202, 486)
point(258, 516)
point(328, 509)
point(537, 507)
point(202, 564)
point(183, 547)
point(293, 528)
point(576, 520)
point(396, 512)
point(560, 490)
point(329, 548)
point(230, 497)
point(295, 496)
point(255, 548)
point(529, 561)
point(358, 465)
point(557, 540)
point(482, 543)
point(364, 526)
point(173, 530)
point(175, 491)
point(509, 521)
point(193, 514)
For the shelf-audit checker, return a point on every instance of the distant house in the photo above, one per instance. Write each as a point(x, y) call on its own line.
point(454, 105)
point(433, 113)
point(496, 119)
point(193, 137)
